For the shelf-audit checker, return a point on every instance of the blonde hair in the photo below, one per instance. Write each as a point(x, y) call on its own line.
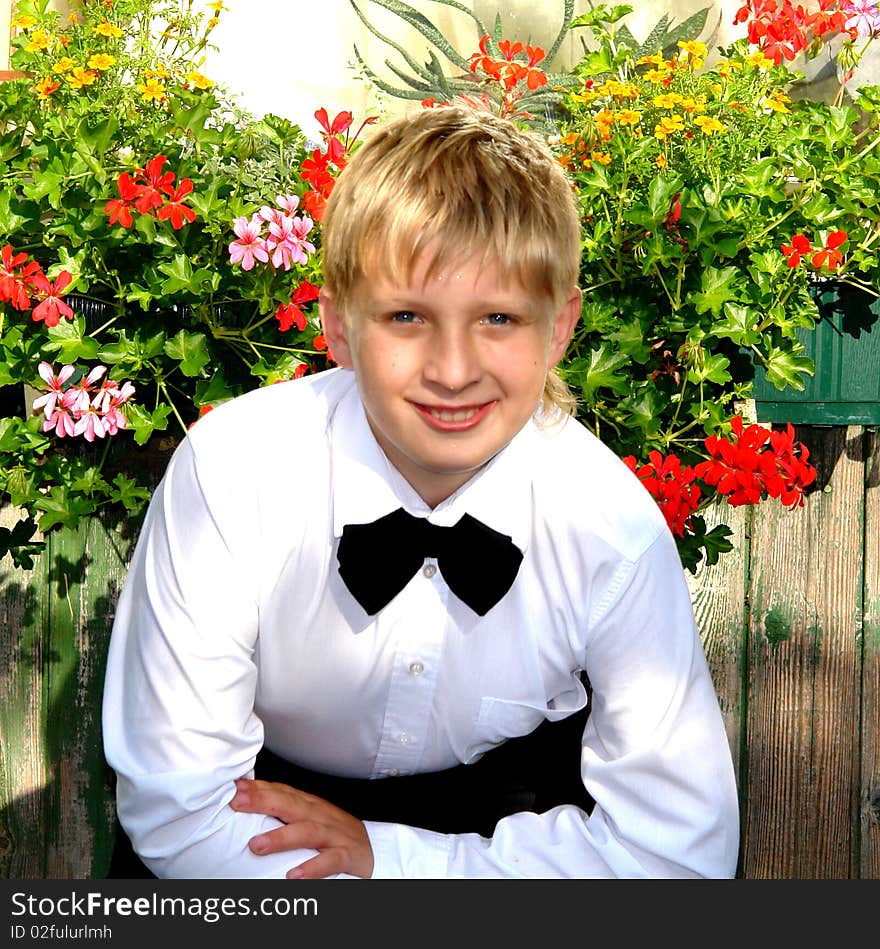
point(460, 182)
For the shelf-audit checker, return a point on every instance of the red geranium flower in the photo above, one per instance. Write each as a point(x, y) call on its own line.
point(174, 208)
point(53, 307)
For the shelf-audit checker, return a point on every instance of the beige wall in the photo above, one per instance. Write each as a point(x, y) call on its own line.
point(280, 59)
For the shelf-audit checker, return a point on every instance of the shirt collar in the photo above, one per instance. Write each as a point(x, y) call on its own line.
point(366, 486)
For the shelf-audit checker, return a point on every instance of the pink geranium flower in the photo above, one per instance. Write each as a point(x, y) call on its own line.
point(55, 384)
point(90, 424)
point(287, 242)
point(864, 17)
point(250, 245)
point(60, 422)
point(78, 398)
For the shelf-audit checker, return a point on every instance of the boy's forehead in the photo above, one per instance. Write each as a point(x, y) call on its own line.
point(431, 272)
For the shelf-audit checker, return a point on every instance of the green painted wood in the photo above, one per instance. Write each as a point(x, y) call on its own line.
point(56, 789)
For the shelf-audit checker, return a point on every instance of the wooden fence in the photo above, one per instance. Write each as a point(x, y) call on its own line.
point(790, 621)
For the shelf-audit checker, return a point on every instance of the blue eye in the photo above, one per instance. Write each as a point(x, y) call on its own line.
point(404, 316)
point(498, 319)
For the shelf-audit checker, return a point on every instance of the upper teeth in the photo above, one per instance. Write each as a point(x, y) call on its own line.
point(453, 415)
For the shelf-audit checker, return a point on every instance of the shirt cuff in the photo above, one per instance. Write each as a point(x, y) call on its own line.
point(408, 853)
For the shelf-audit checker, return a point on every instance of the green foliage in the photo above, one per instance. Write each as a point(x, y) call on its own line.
point(101, 93)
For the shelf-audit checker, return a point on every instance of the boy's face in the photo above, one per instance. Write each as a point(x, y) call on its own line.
point(449, 367)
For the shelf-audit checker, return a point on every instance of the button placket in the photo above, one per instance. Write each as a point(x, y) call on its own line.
point(418, 648)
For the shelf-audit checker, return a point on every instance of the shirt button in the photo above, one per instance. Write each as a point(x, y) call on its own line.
point(416, 668)
point(403, 739)
point(429, 570)
point(392, 772)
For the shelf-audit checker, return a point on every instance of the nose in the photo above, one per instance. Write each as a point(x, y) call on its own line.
point(452, 359)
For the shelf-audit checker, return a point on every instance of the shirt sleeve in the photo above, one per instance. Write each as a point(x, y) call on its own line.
point(655, 758)
point(178, 720)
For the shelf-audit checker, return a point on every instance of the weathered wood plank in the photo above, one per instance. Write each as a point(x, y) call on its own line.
point(86, 573)
point(25, 780)
point(804, 673)
point(55, 791)
point(718, 594)
point(869, 792)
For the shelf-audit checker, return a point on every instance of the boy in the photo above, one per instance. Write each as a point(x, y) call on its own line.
point(389, 569)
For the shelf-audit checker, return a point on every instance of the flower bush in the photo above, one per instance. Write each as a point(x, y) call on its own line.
point(159, 252)
point(159, 248)
point(715, 200)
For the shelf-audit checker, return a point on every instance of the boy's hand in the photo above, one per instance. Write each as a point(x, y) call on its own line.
point(310, 822)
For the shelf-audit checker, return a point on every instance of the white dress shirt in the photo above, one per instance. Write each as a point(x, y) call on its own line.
point(234, 629)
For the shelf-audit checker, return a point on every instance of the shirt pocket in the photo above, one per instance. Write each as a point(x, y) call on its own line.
point(500, 719)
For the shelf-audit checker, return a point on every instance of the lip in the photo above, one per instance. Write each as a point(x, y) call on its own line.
point(459, 418)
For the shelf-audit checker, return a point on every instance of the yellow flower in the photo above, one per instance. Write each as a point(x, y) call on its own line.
point(776, 103)
point(657, 75)
point(160, 72)
point(667, 125)
point(81, 77)
point(624, 90)
point(655, 60)
point(690, 104)
point(629, 117)
point(726, 68)
point(604, 120)
point(101, 61)
point(759, 60)
point(212, 22)
point(39, 41)
point(588, 95)
point(218, 7)
point(668, 100)
point(198, 80)
point(73, 18)
point(695, 50)
point(661, 161)
point(108, 30)
point(24, 22)
point(151, 90)
point(45, 87)
point(602, 157)
point(708, 125)
point(65, 64)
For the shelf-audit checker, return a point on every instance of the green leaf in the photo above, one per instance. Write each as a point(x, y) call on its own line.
point(190, 350)
point(143, 423)
point(715, 289)
point(788, 368)
point(69, 342)
point(9, 220)
point(60, 508)
point(128, 493)
point(714, 369)
point(16, 542)
point(600, 371)
point(736, 323)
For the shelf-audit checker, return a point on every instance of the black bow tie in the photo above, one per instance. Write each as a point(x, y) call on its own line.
point(376, 561)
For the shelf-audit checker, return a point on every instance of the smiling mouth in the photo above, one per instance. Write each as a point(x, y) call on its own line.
point(458, 418)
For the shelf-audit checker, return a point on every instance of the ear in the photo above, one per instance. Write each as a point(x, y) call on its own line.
point(563, 326)
point(334, 330)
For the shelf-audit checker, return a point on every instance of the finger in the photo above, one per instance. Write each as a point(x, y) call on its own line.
point(326, 863)
point(276, 800)
point(304, 834)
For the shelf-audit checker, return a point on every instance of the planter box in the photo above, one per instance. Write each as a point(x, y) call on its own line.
point(845, 346)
